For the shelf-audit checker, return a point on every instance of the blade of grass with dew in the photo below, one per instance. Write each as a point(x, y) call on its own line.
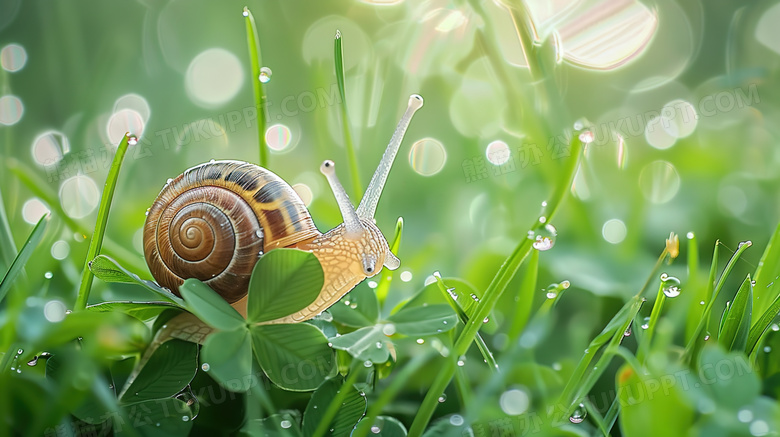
point(478, 340)
point(709, 289)
point(761, 326)
point(701, 292)
point(387, 275)
point(691, 347)
point(644, 345)
point(767, 273)
point(733, 331)
point(255, 61)
point(335, 404)
point(525, 298)
point(391, 391)
point(96, 242)
point(36, 185)
point(23, 256)
point(494, 291)
point(338, 54)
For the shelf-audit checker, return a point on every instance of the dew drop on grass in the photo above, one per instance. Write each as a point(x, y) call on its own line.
point(205, 367)
point(456, 419)
point(368, 363)
point(544, 237)
point(767, 349)
point(48, 275)
point(474, 297)
point(671, 285)
point(265, 75)
point(646, 323)
point(775, 327)
point(462, 361)
point(587, 137)
point(185, 418)
point(628, 332)
point(420, 341)
point(285, 424)
point(579, 414)
point(442, 398)
point(375, 429)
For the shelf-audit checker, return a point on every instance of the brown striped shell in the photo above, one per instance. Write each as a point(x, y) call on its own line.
point(215, 221)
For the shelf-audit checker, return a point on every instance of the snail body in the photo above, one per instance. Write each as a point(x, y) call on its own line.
point(215, 221)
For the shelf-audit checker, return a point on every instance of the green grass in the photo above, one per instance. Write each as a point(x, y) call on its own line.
point(417, 359)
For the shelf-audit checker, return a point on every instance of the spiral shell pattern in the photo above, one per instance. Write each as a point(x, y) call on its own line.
point(215, 221)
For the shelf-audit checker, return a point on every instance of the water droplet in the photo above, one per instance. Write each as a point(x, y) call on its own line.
point(747, 243)
point(406, 276)
point(646, 323)
point(420, 341)
point(330, 344)
point(353, 305)
point(579, 414)
point(456, 419)
point(205, 367)
point(474, 297)
point(20, 351)
point(265, 75)
point(185, 418)
point(388, 329)
point(285, 424)
point(368, 363)
point(486, 319)
point(48, 275)
point(628, 332)
point(701, 302)
point(372, 284)
point(690, 235)
point(33, 361)
point(462, 361)
point(132, 140)
point(442, 398)
point(557, 366)
point(706, 337)
point(375, 429)
point(544, 237)
point(767, 349)
point(587, 137)
point(671, 285)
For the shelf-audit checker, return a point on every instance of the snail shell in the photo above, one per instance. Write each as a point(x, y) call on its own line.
point(215, 221)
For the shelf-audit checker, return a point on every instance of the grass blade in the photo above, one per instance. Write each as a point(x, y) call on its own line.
point(102, 219)
point(762, 324)
point(255, 61)
point(338, 53)
point(525, 298)
point(383, 286)
point(7, 246)
point(23, 256)
point(767, 273)
point(733, 332)
point(691, 347)
point(494, 291)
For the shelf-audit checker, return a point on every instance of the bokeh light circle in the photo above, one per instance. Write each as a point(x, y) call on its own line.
point(13, 57)
point(614, 231)
point(49, 147)
point(33, 210)
point(659, 182)
point(11, 110)
point(123, 121)
point(213, 77)
point(427, 156)
point(278, 137)
point(498, 152)
point(60, 249)
point(79, 196)
point(304, 192)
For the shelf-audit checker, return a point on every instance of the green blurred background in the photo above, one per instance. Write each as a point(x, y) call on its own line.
point(681, 98)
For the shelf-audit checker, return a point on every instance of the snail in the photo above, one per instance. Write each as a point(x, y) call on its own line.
point(215, 221)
